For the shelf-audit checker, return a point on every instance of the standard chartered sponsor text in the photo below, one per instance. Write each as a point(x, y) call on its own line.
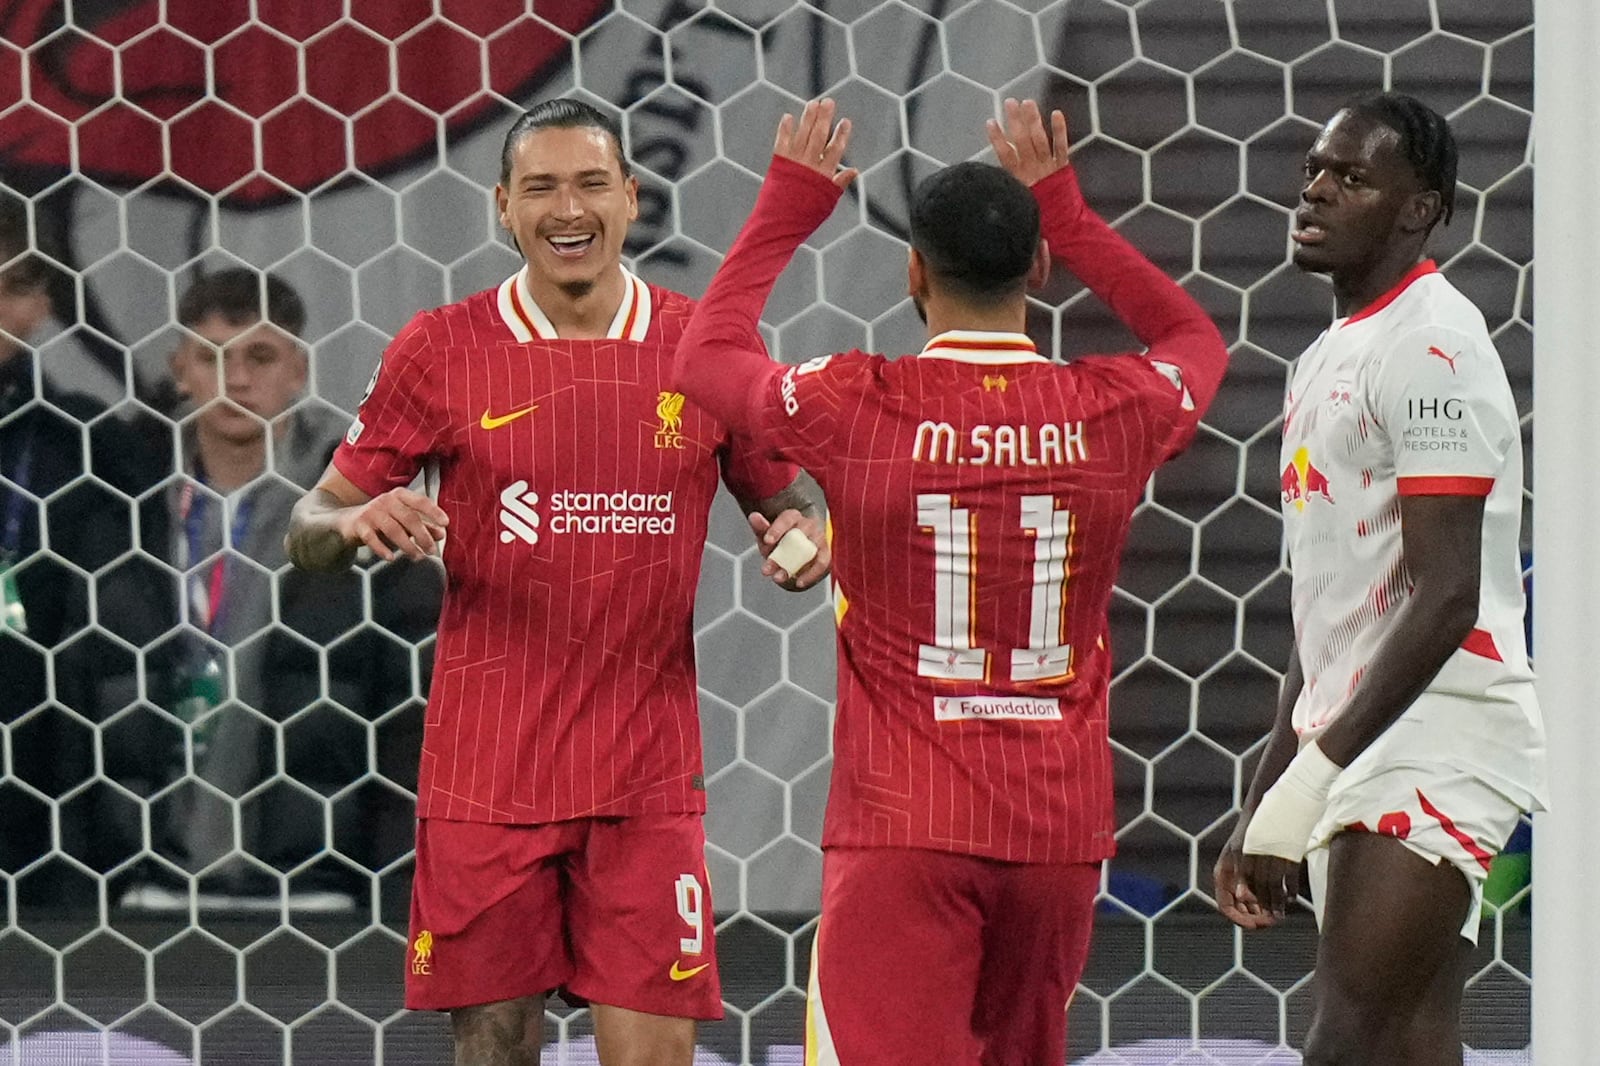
point(649, 513)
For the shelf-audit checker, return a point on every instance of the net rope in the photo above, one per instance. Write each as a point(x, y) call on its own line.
point(350, 147)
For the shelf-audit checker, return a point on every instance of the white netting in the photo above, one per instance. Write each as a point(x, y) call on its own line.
point(349, 146)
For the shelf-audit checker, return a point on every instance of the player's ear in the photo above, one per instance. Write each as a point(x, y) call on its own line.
point(1420, 211)
point(632, 187)
point(502, 202)
point(916, 274)
point(1039, 269)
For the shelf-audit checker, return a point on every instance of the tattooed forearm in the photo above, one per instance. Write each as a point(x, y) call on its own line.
point(313, 543)
point(800, 495)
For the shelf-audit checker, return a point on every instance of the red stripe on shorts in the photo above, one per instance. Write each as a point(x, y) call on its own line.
point(1472, 847)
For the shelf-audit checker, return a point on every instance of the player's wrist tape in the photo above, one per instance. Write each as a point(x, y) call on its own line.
point(1292, 807)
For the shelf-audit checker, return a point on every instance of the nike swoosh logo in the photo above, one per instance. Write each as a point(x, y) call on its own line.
point(683, 975)
point(489, 421)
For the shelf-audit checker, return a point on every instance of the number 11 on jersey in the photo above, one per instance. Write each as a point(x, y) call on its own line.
point(954, 654)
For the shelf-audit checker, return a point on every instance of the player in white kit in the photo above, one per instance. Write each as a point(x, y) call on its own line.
point(1408, 739)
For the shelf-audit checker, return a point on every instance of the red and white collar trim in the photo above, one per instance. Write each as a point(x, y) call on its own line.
point(1422, 269)
point(983, 347)
point(528, 322)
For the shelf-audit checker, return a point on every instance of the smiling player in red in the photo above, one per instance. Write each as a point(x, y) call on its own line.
point(559, 836)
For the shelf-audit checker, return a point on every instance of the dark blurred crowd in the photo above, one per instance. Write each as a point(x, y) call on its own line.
point(183, 716)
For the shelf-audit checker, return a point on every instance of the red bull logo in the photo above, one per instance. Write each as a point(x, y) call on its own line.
point(1302, 480)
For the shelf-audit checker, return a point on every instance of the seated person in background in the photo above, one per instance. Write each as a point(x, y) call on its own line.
point(233, 679)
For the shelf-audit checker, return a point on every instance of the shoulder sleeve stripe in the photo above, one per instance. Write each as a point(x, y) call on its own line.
point(1481, 642)
point(1445, 486)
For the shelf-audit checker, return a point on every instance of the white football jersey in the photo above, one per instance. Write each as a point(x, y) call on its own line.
point(1409, 397)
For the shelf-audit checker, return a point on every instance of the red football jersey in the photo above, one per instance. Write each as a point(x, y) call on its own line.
point(578, 486)
point(980, 496)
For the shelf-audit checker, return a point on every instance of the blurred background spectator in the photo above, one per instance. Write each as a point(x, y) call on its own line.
point(249, 766)
point(56, 528)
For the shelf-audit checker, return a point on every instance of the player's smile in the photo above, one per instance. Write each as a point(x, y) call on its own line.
point(568, 204)
point(571, 245)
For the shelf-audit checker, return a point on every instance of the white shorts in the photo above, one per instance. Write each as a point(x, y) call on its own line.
point(1440, 813)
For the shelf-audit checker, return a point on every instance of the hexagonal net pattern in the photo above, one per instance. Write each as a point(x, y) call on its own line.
point(165, 905)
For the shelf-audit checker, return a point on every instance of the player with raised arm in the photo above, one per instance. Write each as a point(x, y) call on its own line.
point(560, 798)
point(1408, 739)
point(980, 496)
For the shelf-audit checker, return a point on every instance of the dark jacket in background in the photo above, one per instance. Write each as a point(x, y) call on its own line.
point(71, 527)
point(290, 754)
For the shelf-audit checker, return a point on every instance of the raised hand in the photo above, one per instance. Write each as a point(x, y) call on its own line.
point(1024, 147)
point(815, 142)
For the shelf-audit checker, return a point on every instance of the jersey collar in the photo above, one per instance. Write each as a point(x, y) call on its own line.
point(984, 347)
point(528, 322)
point(1422, 269)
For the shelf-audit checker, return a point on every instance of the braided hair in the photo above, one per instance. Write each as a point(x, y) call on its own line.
point(1425, 140)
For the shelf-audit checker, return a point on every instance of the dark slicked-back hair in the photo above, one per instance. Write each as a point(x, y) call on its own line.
point(1425, 139)
point(561, 113)
point(976, 227)
point(237, 295)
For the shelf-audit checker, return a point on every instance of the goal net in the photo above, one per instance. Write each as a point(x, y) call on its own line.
point(349, 147)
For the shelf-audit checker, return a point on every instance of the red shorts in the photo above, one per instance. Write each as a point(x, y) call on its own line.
point(616, 910)
point(926, 956)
